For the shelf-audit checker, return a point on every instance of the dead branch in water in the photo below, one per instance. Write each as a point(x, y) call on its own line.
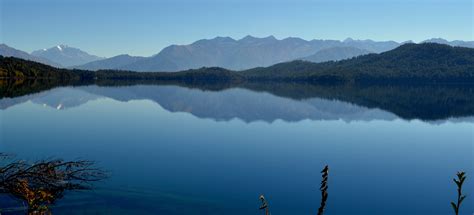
point(40, 184)
point(324, 189)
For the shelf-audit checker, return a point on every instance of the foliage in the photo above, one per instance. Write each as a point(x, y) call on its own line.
point(461, 177)
point(40, 184)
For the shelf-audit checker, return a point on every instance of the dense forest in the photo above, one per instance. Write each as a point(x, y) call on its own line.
point(212, 74)
point(425, 63)
point(15, 68)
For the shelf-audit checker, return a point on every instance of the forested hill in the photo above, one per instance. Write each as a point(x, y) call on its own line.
point(426, 63)
point(11, 67)
point(409, 62)
point(15, 68)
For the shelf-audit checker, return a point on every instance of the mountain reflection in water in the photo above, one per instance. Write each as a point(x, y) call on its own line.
point(270, 101)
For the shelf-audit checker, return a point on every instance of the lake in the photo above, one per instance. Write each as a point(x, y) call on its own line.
point(193, 149)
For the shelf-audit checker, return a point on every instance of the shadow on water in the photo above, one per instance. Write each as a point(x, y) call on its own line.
point(424, 102)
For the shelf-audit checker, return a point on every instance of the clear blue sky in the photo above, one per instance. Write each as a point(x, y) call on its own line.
point(144, 27)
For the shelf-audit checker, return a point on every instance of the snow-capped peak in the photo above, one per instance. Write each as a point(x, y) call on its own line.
point(59, 47)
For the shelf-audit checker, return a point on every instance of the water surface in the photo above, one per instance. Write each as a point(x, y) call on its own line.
point(181, 150)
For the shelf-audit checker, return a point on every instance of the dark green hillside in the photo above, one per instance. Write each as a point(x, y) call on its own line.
point(212, 74)
point(15, 68)
point(426, 62)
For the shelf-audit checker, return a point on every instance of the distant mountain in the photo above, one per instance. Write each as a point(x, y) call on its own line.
point(66, 56)
point(7, 51)
point(249, 52)
point(426, 62)
point(246, 53)
point(370, 45)
point(116, 62)
point(335, 54)
point(460, 43)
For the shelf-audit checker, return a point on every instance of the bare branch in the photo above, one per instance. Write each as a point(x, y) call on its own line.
point(40, 184)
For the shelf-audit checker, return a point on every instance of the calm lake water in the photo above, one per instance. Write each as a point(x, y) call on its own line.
point(200, 150)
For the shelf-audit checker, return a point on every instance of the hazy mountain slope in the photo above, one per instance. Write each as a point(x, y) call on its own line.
point(7, 51)
point(370, 45)
point(66, 56)
point(248, 52)
point(460, 43)
point(335, 54)
point(116, 62)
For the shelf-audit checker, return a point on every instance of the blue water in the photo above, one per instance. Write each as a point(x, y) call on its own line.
point(174, 150)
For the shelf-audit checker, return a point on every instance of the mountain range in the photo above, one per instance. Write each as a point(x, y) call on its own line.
point(225, 52)
point(66, 56)
point(248, 52)
point(8, 51)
